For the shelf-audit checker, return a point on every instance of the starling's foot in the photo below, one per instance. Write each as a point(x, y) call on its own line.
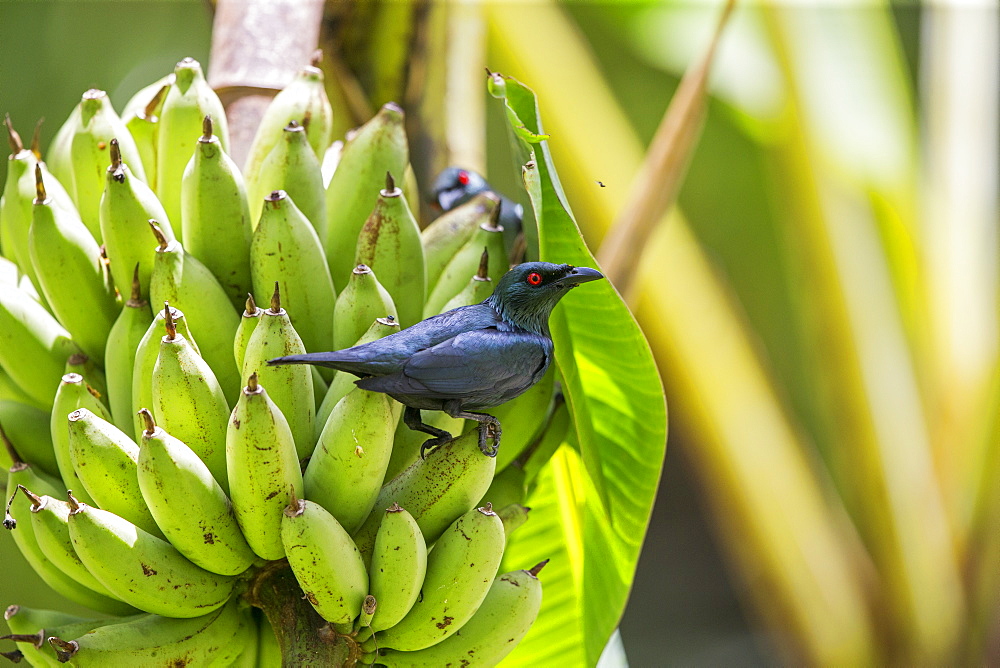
point(487, 431)
point(411, 418)
point(489, 427)
point(434, 443)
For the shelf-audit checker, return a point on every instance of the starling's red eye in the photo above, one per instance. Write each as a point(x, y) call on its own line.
point(534, 278)
point(463, 177)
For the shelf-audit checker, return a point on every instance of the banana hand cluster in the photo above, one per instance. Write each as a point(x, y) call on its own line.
point(158, 467)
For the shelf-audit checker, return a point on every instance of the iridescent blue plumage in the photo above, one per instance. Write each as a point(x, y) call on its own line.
point(466, 359)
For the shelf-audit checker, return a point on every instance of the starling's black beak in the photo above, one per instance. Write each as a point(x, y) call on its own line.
point(579, 275)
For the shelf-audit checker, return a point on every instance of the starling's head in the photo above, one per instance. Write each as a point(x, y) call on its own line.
point(455, 186)
point(526, 294)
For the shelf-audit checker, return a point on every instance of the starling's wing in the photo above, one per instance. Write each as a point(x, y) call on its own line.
point(476, 365)
point(390, 354)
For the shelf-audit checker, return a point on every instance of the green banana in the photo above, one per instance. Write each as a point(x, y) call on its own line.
point(343, 382)
point(171, 477)
point(27, 627)
point(465, 263)
point(143, 123)
point(105, 460)
point(28, 429)
point(34, 347)
point(479, 287)
point(67, 262)
point(509, 486)
point(144, 571)
point(443, 238)
point(347, 467)
point(31, 626)
point(145, 360)
point(389, 243)
point(460, 570)
point(406, 446)
point(290, 385)
point(188, 401)
point(377, 147)
point(85, 366)
point(368, 608)
point(127, 207)
point(325, 560)
point(361, 302)
point(16, 204)
point(264, 471)
point(248, 323)
point(18, 519)
point(73, 393)
point(513, 517)
point(189, 100)
point(291, 166)
point(49, 523)
point(501, 622)
point(142, 97)
point(398, 567)
point(214, 215)
point(99, 124)
point(153, 641)
point(59, 157)
point(119, 355)
point(436, 490)
point(179, 278)
point(304, 100)
point(285, 249)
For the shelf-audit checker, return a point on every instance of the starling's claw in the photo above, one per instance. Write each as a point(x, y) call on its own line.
point(434, 443)
point(487, 431)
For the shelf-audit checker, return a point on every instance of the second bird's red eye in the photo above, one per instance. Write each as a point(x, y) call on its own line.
point(463, 178)
point(534, 278)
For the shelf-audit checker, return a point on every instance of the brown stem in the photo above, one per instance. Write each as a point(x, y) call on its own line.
point(244, 73)
point(305, 638)
point(13, 139)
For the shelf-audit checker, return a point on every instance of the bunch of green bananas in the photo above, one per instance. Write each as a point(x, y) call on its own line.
point(159, 468)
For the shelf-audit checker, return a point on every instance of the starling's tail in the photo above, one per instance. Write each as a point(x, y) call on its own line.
point(333, 360)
